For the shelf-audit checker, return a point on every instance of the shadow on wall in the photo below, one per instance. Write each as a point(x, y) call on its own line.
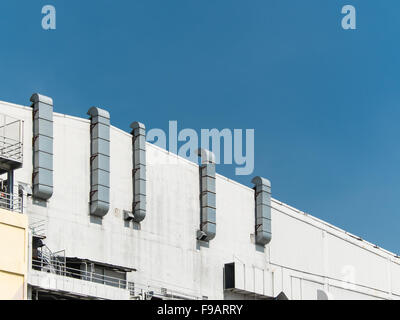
point(229, 295)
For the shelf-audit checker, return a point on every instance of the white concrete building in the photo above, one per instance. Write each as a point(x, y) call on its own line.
point(88, 242)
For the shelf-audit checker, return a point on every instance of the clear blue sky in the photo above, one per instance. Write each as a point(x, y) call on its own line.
point(325, 103)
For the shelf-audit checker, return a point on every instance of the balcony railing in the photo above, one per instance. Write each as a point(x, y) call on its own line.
point(11, 149)
point(11, 202)
point(44, 260)
point(55, 264)
point(140, 291)
point(11, 137)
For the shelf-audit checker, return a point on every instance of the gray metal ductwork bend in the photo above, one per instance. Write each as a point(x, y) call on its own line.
point(139, 171)
point(263, 210)
point(42, 178)
point(99, 161)
point(206, 156)
point(208, 227)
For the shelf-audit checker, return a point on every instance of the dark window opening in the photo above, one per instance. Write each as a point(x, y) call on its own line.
point(229, 276)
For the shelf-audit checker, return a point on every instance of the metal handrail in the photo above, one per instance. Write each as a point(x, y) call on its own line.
point(78, 273)
point(37, 226)
point(11, 201)
point(11, 133)
point(135, 289)
point(10, 123)
point(11, 151)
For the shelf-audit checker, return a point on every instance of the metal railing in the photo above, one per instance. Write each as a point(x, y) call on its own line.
point(37, 226)
point(11, 149)
point(143, 292)
point(11, 202)
point(48, 261)
point(45, 260)
point(11, 132)
point(52, 264)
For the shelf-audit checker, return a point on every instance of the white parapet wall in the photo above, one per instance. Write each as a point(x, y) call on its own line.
point(306, 258)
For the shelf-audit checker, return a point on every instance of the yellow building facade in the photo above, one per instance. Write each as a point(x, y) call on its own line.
point(13, 255)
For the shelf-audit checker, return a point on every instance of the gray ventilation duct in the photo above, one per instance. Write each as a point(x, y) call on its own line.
point(99, 161)
point(208, 205)
point(263, 210)
point(139, 171)
point(42, 177)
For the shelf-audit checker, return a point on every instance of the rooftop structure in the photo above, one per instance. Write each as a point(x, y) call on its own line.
point(114, 217)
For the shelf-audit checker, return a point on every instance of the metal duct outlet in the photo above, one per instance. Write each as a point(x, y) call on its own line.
point(139, 171)
point(42, 177)
point(208, 205)
point(99, 161)
point(263, 210)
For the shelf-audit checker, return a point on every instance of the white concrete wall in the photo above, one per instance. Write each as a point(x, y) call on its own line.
point(77, 287)
point(305, 254)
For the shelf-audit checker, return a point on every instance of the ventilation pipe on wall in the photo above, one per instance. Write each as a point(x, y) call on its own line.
point(99, 161)
point(263, 210)
point(42, 177)
point(139, 171)
point(208, 206)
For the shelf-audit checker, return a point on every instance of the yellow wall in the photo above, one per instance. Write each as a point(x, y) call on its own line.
point(13, 255)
